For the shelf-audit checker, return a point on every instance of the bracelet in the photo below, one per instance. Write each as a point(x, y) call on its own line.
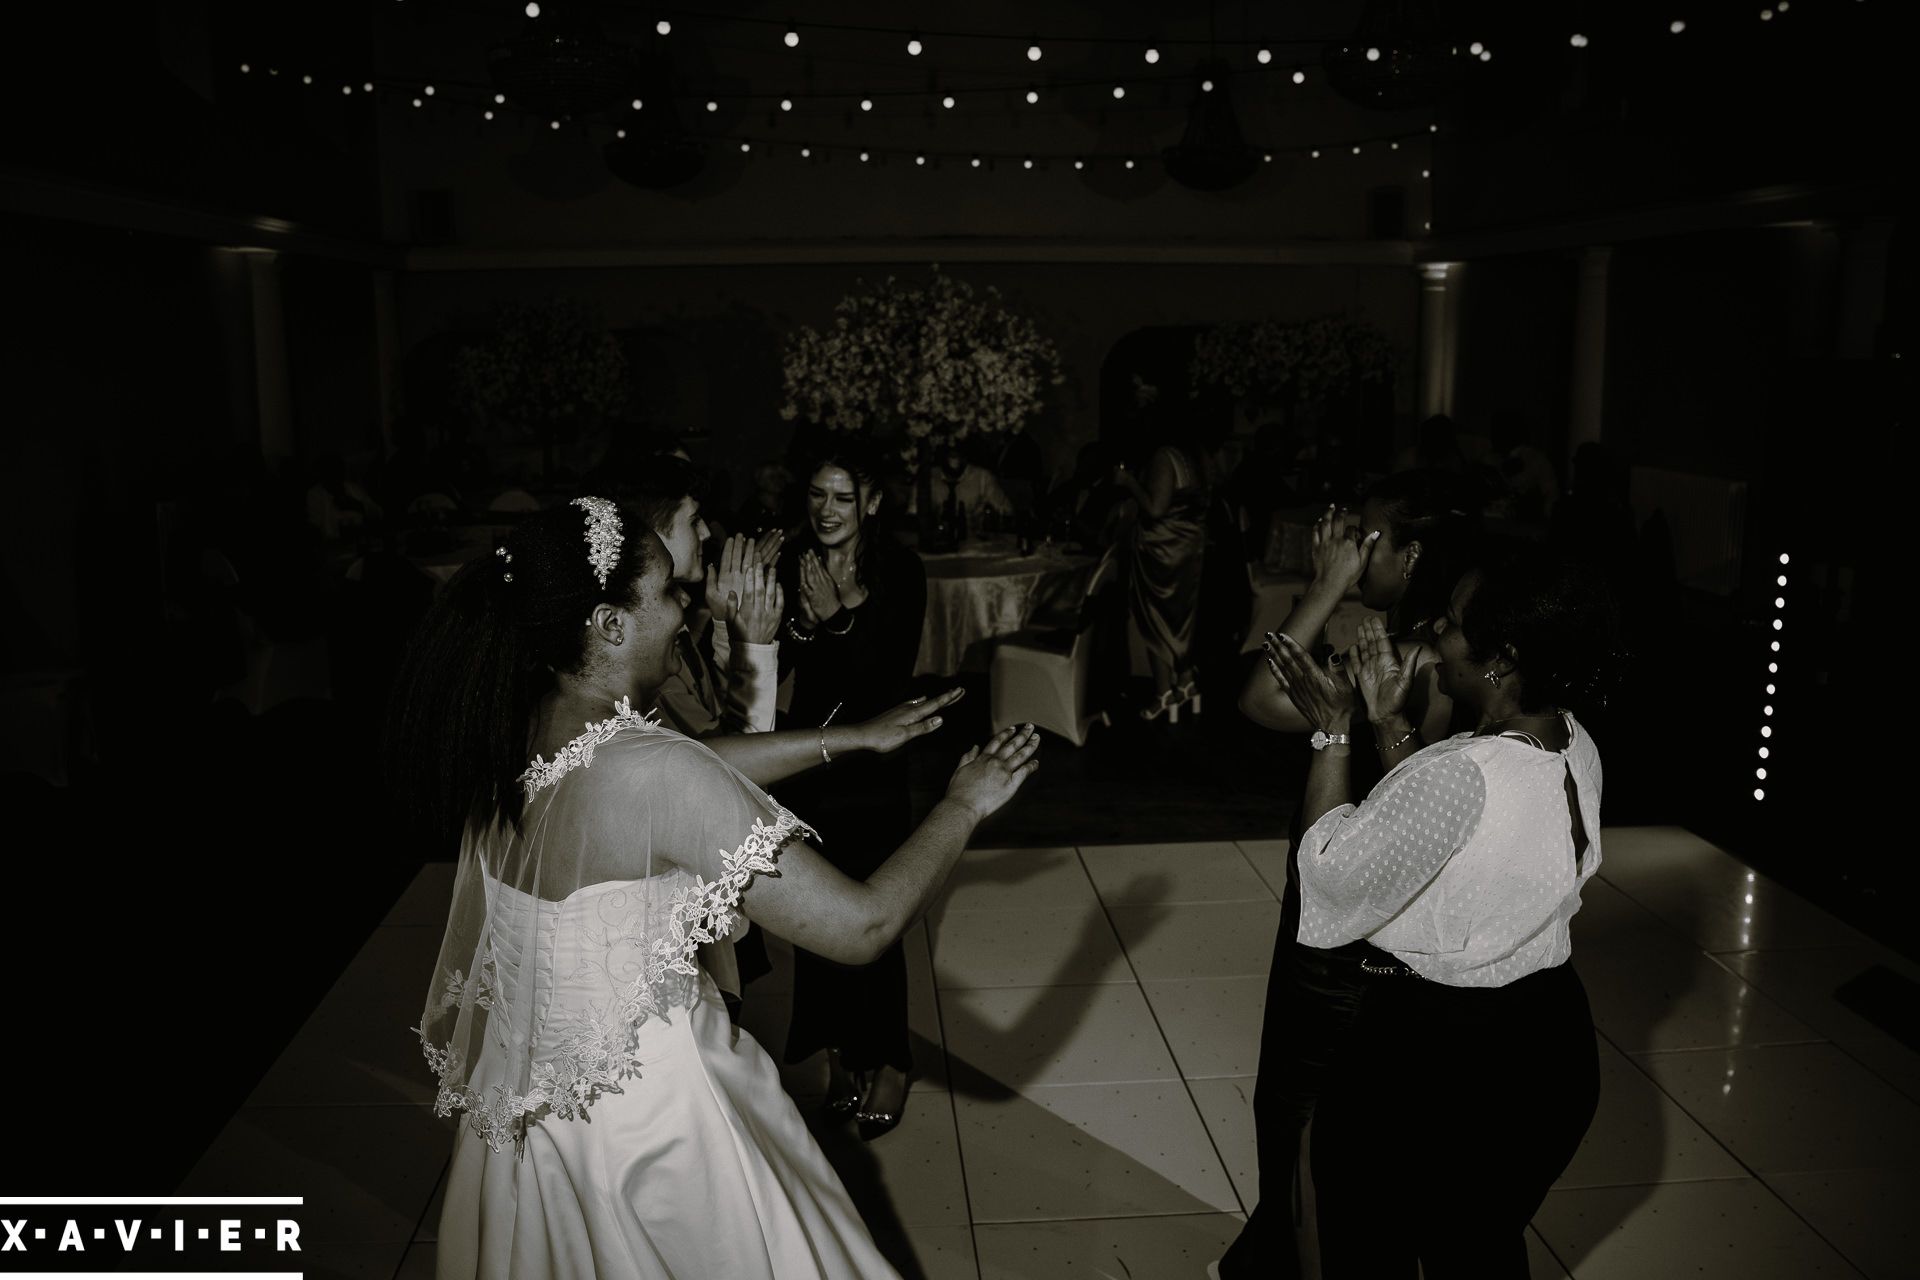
point(804, 637)
point(851, 619)
point(1404, 739)
point(824, 757)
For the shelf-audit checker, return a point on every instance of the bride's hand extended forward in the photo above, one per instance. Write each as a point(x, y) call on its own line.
point(990, 774)
point(896, 728)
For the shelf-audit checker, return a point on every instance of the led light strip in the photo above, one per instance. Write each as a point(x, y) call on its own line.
point(1773, 672)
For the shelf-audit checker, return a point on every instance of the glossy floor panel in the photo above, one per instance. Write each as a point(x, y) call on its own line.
point(1087, 1022)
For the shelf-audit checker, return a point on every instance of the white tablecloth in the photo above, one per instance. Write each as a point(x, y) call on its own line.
point(983, 593)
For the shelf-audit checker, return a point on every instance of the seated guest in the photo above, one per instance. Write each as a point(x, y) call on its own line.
point(1085, 507)
point(973, 488)
point(1015, 460)
point(1529, 484)
point(1473, 1045)
point(336, 505)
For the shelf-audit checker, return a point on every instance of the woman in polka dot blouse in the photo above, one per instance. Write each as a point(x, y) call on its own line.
point(1471, 1073)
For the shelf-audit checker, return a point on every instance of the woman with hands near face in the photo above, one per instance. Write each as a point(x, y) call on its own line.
point(856, 602)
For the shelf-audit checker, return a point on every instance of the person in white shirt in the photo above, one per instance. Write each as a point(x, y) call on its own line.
point(975, 488)
point(1471, 1074)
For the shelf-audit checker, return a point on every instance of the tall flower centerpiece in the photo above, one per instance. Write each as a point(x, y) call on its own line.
point(919, 365)
point(548, 369)
point(1274, 367)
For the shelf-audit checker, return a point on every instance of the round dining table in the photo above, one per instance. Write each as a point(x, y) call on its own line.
point(987, 590)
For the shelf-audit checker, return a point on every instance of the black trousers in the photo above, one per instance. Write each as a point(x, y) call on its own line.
point(1313, 1002)
point(862, 814)
point(1452, 1113)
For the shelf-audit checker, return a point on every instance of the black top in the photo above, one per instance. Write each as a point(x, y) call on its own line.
point(860, 660)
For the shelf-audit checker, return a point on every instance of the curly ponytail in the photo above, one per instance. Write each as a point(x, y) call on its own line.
point(486, 652)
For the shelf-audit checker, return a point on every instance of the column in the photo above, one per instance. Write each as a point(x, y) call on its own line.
point(1589, 369)
point(1439, 323)
point(271, 389)
point(386, 354)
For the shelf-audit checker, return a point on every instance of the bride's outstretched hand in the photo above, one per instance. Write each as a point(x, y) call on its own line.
point(909, 720)
point(990, 774)
point(1382, 678)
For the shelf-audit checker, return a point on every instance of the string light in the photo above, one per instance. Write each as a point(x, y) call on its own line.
point(1373, 55)
point(1299, 77)
point(746, 146)
point(1206, 86)
point(947, 102)
point(417, 102)
point(1119, 91)
point(1079, 164)
point(618, 133)
point(500, 100)
point(533, 10)
point(1152, 56)
point(1033, 53)
point(806, 153)
point(792, 39)
point(367, 87)
point(306, 79)
point(1766, 708)
point(1263, 57)
point(1033, 96)
point(1676, 26)
point(1486, 55)
point(556, 124)
point(429, 91)
point(1316, 155)
point(866, 104)
point(712, 105)
point(1027, 163)
point(346, 90)
point(914, 47)
point(919, 159)
point(1578, 41)
point(488, 115)
point(244, 68)
point(786, 104)
point(976, 162)
point(1476, 48)
point(1129, 164)
point(664, 27)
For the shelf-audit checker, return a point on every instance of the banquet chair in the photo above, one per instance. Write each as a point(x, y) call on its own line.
point(1042, 678)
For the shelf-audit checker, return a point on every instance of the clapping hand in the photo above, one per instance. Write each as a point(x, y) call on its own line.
point(744, 595)
point(990, 774)
point(819, 597)
point(1325, 699)
point(767, 550)
point(1374, 665)
point(1340, 554)
point(909, 720)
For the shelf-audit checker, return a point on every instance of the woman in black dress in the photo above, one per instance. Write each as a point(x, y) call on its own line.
point(855, 603)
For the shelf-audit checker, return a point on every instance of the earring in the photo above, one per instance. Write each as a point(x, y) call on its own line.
point(1493, 678)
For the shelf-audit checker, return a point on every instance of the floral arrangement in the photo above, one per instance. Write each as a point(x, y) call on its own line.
point(1269, 365)
point(926, 363)
point(546, 367)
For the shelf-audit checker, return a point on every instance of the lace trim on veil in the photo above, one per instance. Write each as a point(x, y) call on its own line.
point(578, 754)
point(596, 1050)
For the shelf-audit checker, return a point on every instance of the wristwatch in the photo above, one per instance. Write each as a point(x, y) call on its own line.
point(1321, 739)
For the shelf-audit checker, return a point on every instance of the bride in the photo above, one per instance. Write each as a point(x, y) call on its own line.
point(618, 1124)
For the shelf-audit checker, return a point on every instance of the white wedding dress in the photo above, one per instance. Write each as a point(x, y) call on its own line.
point(621, 1126)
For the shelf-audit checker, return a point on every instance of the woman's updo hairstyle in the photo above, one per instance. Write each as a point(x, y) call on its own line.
point(1553, 618)
point(486, 652)
point(1428, 507)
